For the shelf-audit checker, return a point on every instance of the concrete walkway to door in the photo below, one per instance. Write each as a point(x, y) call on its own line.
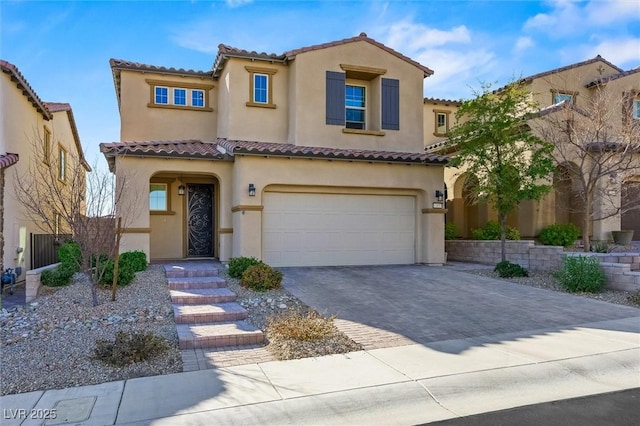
point(426, 304)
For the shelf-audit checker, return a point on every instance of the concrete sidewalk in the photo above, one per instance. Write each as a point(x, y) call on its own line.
point(410, 384)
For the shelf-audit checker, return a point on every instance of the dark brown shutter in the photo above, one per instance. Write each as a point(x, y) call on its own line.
point(335, 98)
point(390, 104)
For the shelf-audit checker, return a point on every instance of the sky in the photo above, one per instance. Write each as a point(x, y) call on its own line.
point(63, 47)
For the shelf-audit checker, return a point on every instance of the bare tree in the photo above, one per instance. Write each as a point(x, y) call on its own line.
point(62, 194)
point(597, 146)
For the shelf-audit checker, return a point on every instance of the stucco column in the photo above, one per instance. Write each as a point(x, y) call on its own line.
point(432, 236)
point(133, 206)
point(606, 202)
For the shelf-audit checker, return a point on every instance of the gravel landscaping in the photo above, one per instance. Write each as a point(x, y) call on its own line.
point(48, 344)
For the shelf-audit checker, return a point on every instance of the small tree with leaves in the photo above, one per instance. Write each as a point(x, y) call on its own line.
point(64, 195)
point(509, 163)
point(600, 142)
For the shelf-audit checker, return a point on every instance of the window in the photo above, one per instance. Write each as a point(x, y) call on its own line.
point(261, 87)
point(563, 96)
point(180, 96)
point(57, 223)
point(355, 107)
point(162, 95)
point(62, 164)
point(46, 146)
point(197, 98)
point(636, 109)
point(158, 197)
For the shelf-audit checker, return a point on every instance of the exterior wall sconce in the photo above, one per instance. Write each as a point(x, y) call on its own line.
point(181, 190)
point(439, 195)
point(252, 190)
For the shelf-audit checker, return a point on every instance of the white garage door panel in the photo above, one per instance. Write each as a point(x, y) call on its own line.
point(338, 229)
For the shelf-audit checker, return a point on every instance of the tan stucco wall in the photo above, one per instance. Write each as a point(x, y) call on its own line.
point(141, 122)
point(22, 126)
point(252, 123)
point(308, 102)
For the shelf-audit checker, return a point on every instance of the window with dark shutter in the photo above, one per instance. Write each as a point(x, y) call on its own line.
point(335, 98)
point(390, 104)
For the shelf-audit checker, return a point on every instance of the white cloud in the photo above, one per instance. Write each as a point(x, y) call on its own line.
point(620, 51)
point(200, 36)
point(611, 11)
point(237, 3)
point(523, 43)
point(416, 36)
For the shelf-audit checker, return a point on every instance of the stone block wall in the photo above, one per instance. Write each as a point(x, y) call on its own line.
point(32, 284)
point(488, 252)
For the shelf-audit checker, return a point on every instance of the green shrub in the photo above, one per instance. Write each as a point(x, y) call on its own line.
point(69, 254)
point(125, 273)
point(237, 265)
point(581, 273)
point(450, 231)
point(261, 277)
point(58, 277)
point(135, 260)
point(559, 234)
point(128, 348)
point(492, 231)
point(599, 246)
point(507, 269)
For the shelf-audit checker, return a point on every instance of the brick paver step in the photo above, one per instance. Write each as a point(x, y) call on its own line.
point(202, 296)
point(237, 333)
point(183, 283)
point(214, 312)
point(190, 270)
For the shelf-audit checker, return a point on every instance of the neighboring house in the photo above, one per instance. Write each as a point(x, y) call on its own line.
point(310, 157)
point(33, 134)
point(576, 83)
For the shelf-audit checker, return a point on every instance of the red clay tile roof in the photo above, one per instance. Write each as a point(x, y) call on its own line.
point(290, 150)
point(226, 51)
point(173, 149)
point(8, 160)
point(22, 83)
point(438, 101)
point(361, 37)
point(61, 107)
point(568, 67)
point(604, 80)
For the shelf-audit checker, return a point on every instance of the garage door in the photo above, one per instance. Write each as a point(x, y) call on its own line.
point(338, 229)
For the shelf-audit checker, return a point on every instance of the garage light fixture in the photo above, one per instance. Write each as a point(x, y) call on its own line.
point(439, 195)
point(181, 190)
point(252, 190)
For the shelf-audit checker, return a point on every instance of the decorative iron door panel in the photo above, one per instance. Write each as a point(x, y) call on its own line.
point(200, 220)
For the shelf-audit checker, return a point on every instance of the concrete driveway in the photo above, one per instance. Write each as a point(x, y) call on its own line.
point(432, 304)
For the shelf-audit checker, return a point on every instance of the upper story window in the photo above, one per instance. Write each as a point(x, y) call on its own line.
point(563, 96)
point(162, 95)
point(355, 107)
point(261, 87)
point(180, 96)
point(367, 108)
point(62, 164)
point(185, 95)
point(158, 197)
point(46, 146)
point(636, 109)
point(197, 98)
point(441, 123)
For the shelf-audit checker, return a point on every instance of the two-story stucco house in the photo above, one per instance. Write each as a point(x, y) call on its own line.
point(579, 84)
point(33, 134)
point(310, 157)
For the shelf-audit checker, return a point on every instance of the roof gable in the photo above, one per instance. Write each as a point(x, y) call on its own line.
point(569, 67)
point(21, 82)
point(55, 107)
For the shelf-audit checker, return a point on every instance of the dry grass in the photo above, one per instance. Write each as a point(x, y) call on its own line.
point(296, 335)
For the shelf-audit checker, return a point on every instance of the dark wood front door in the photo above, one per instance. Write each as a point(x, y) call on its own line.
point(200, 220)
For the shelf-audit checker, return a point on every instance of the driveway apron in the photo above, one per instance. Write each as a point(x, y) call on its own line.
point(429, 303)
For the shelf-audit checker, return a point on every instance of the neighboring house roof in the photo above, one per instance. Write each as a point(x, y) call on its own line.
point(225, 52)
point(605, 80)
point(289, 150)
point(117, 65)
point(60, 107)
point(558, 107)
point(22, 83)
point(224, 149)
point(438, 101)
point(8, 159)
point(194, 149)
point(568, 67)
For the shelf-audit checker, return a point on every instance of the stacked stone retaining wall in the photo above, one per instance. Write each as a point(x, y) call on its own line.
point(621, 269)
